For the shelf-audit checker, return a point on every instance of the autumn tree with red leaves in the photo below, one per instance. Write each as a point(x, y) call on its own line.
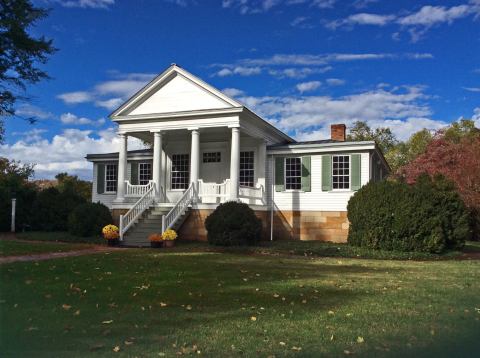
point(458, 159)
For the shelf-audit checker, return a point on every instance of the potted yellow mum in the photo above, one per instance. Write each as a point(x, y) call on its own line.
point(111, 234)
point(169, 236)
point(156, 240)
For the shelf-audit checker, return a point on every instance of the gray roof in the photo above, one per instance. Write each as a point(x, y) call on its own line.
point(324, 141)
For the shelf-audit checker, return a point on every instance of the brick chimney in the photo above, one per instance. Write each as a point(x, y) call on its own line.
point(338, 132)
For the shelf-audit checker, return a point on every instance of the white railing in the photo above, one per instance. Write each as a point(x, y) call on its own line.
point(136, 190)
point(214, 190)
point(256, 192)
point(179, 209)
point(137, 209)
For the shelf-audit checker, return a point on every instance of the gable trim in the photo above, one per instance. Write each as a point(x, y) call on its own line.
point(173, 69)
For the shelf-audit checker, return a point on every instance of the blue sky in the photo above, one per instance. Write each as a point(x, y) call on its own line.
point(302, 64)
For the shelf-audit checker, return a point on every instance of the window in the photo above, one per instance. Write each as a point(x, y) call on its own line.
point(144, 173)
point(247, 172)
point(293, 173)
point(111, 178)
point(180, 171)
point(341, 172)
point(212, 157)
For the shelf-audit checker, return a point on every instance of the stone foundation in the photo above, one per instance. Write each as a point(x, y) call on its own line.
point(311, 225)
point(287, 225)
point(116, 215)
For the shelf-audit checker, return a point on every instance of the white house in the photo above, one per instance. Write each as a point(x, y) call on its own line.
point(207, 148)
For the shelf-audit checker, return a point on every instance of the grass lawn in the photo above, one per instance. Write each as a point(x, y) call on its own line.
point(162, 303)
point(14, 248)
point(60, 236)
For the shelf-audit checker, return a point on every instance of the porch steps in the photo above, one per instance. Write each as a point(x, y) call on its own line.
point(149, 223)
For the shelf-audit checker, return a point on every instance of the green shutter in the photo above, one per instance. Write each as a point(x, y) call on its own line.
point(356, 171)
point(279, 174)
point(326, 172)
point(306, 174)
point(134, 173)
point(100, 178)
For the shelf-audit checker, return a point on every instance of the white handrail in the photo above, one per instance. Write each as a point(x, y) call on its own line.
point(137, 209)
point(213, 190)
point(179, 209)
point(136, 190)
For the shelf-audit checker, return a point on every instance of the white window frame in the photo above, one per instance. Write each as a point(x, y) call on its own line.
point(285, 174)
point(171, 172)
point(349, 172)
point(253, 170)
point(115, 180)
point(140, 171)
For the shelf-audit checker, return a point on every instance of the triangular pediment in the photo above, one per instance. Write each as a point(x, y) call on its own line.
point(173, 91)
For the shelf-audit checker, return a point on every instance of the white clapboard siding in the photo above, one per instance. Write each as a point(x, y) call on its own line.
point(179, 94)
point(316, 199)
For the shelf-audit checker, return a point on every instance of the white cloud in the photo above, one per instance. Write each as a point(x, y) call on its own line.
point(335, 81)
point(70, 118)
point(75, 97)
point(401, 108)
point(302, 23)
point(308, 86)
point(309, 63)
point(416, 23)
point(472, 89)
point(32, 135)
point(260, 6)
point(93, 4)
point(112, 93)
point(31, 111)
point(476, 117)
point(65, 151)
point(233, 92)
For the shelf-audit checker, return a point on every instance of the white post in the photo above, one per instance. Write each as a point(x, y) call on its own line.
point(122, 168)
point(120, 227)
point(195, 159)
point(14, 206)
point(157, 163)
point(163, 224)
point(235, 164)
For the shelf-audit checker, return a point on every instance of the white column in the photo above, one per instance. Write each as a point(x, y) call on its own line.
point(195, 158)
point(235, 164)
point(122, 167)
point(157, 163)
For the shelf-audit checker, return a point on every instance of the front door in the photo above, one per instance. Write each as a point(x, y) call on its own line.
point(213, 169)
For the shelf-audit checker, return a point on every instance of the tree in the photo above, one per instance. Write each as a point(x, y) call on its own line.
point(20, 53)
point(383, 136)
point(14, 183)
point(73, 184)
point(404, 152)
point(457, 160)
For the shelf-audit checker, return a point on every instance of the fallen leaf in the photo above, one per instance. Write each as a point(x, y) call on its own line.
point(107, 322)
point(276, 295)
point(76, 313)
point(360, 339)
point(253, 318)
point(189, 308)
point(163, 304)
point(116, 349)
point(331, 312)
point(127, 343)
point(283, 344)
point(298, 349)
point(66, 307)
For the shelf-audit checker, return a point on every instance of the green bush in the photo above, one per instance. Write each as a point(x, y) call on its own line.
point(233, 224)
point(88, 219)
point(51, 209)
point(428, 216)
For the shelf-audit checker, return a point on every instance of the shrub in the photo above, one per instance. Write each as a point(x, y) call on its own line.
point(233, 223)
point(51, 209)
point(428, 216)
point(88, 219)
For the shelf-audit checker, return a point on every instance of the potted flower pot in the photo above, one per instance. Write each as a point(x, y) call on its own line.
point(112, 242)
point(156, 244)
point(169, 243)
